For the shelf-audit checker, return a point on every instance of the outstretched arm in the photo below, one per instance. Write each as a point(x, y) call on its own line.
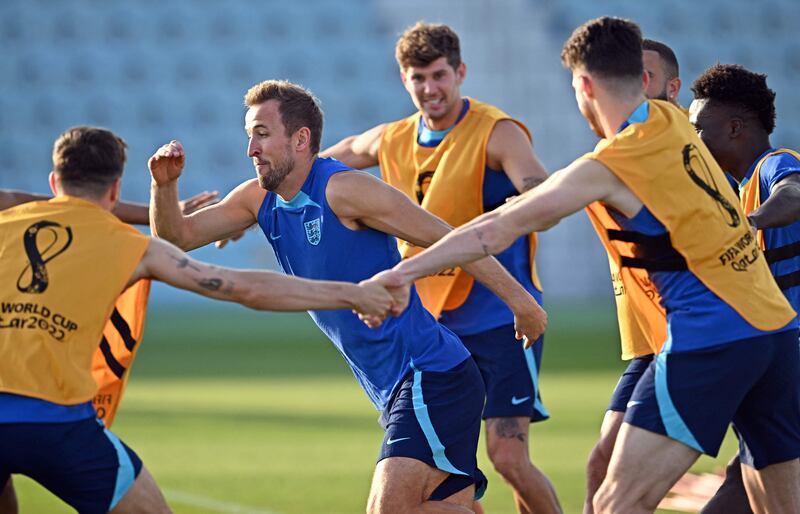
point(565, 192)
point(782, 207)
point(9, 198)
point(235, 213)
point(139, 213)
point(262, 290)
point(359, 151)
point(361, 200)
point(129, 212)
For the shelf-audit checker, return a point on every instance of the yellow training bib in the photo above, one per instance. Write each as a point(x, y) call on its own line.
point(65, 263)
point(664, 163)
point(447, 181)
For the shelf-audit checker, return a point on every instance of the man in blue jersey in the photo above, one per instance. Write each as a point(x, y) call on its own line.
point(496, 159)
point(323, 219)
point(731, 353)
point(734, 114)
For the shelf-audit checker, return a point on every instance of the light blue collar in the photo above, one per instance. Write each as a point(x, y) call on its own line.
point(300, 200)
point(638, 116)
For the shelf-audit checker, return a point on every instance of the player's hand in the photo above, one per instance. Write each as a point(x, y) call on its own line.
point(167, 163)
point(530, 321)
point(373, 303)
point(198, 201)
point(398, 286)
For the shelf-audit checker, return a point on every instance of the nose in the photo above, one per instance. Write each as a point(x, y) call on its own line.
point(252, 150)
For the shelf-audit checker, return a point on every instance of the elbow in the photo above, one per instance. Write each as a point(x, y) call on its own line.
point(178, 238)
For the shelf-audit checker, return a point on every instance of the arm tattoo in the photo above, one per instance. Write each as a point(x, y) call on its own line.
point(212, 284)
point(507, 428)
point(529, 183)
point(183, 262)
point(483, 245)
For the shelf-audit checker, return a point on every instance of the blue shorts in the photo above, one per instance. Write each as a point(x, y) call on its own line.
point(81, 462)
point(510, 372)
point(627, 383)
point(435, 417)
point(755, 383)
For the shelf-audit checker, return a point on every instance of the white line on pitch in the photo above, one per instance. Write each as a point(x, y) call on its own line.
point(211, 504)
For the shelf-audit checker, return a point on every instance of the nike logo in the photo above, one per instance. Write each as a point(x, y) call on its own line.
point(632, 404)
point(391, 441)
point(517, 401)
point(274, 237)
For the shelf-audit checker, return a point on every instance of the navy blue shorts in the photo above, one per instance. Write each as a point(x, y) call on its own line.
point(81, 462)
point(435, 417)
point(627, 383)
point(510, 372)
point(755, 383)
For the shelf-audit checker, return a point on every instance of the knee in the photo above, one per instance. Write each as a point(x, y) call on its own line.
point(611, 499)
point(605, 501)
point(509, 462)
point(373, 504)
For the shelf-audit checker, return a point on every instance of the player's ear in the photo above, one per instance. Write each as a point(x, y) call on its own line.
point(461, 72)
point(735, 127)
point(673, 88)
point(114, 190)
point(302, 139)
point(53, 182)
point(586, 86)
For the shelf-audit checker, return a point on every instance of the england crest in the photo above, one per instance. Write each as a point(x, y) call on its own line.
point(313, 231)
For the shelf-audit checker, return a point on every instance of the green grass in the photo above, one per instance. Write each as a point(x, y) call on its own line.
point(260, 411)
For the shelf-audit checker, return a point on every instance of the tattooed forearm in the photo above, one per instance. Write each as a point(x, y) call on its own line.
point(507, 428)
point(212, 284)
point(483, 245)
point(529, 183)
point(183, 262)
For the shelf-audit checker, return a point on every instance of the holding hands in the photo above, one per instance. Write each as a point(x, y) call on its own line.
point(396, 286)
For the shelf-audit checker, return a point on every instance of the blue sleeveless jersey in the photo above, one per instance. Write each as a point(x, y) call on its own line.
point(775, 169)
point(483, 310)
point(310, 241)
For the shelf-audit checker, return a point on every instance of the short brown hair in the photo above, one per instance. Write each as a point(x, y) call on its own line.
point(89, 159)
point(298, 107)
point(423, 43)
point(608, 47)
point(666, 54)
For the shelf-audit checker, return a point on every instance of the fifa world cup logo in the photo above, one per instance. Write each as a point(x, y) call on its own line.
point(695, 165)
point(33, 278)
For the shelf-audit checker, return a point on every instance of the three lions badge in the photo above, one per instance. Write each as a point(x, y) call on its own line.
point(313, 231)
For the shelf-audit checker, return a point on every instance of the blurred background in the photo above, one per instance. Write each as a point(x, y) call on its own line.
point(156, 70)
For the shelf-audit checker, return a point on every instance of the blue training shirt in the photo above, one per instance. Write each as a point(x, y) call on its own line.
point(310, 241)
point(774, 169)
point(15, 408)
point(483, 310)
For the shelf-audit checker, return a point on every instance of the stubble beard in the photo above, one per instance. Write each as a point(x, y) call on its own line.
point(276, 174)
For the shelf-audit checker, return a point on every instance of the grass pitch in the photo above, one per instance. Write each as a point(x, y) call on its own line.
point(247, 413)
